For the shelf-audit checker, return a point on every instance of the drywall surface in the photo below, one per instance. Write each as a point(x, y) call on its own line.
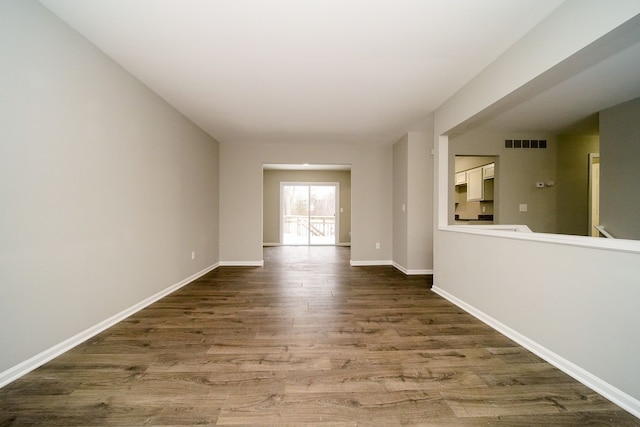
point(571, 297)
point(400, 198)
point(271, 197)
point(420, 203)
point(241, 198)
point(619, 171)
point(579, 303)
point(572, 182)
point(517, 171)
point(106, 190)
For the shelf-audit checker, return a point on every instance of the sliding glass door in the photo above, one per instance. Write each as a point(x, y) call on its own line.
point(308, 213)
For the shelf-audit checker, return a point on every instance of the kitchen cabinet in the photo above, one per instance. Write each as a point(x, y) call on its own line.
point(475, 185)
point(461, 178)
point(480, 183)
point(488, 171)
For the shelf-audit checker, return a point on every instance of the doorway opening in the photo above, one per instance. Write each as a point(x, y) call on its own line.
point(594, 194)
point(309, 213)
point(476, 190)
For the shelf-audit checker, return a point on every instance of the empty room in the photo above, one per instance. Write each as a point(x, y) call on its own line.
point(319, 212)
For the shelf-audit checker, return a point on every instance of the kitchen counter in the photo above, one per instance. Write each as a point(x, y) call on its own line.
point(481, 219)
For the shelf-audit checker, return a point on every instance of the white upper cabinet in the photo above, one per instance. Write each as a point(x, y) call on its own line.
point(488, 171)
point(475, 185)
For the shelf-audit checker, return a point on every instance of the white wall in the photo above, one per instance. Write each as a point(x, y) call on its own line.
point(105, 188)
point(241, 196)
point(568, 298)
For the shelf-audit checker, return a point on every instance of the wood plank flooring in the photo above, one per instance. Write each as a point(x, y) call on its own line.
point(304, 340)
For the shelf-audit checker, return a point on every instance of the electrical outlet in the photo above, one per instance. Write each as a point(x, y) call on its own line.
point(193, 254)
point(377, 245)
point(523, 207)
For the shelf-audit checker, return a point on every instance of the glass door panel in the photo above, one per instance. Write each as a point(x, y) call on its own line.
point(308, 214)
point(322, 215)
point(295, 215)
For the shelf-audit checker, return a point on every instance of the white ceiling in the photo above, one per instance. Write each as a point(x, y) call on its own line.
point(299, 71)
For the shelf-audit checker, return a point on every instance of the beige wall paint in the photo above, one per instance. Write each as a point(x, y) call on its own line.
point(271, 199)
point(105, 188)
point(241, 188)
point(619, 170)
point(517, 171)
point(573, 182)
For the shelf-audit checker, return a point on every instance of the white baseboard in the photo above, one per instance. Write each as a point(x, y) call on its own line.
point(40, 359)
point(411, 272)
point(242, 263)
point(373, 262)
point(271, 244)
point(617, 396)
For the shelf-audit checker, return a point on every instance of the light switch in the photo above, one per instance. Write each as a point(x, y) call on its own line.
point(523, 207)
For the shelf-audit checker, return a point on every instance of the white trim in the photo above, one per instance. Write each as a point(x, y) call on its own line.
point(242, 263)
point(51, 353)
point(372, 262)
point(617, 396)
point(270, 244)
point(618, 245)
point(418, 272)
point(411, 272)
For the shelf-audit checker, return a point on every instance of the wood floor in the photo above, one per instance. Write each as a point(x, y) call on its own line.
point(305, 340)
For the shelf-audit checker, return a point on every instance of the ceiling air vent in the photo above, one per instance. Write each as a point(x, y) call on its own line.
point(525, 143)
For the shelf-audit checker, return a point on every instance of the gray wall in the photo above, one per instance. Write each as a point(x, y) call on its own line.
point(400, 197)
point(573, 182)
point(420, 203)
point(619, 171)
point(586, 288)
point(241, 175)
point(106, 189)
point(271, 199)
point(413, 188)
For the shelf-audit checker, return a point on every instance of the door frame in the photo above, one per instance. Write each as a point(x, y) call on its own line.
point(336, 185)
point(592, 161)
